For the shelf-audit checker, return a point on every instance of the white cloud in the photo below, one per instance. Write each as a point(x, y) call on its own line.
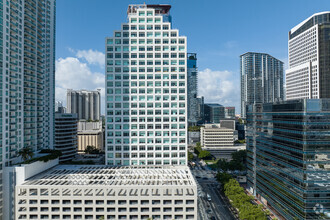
point(91, 56)
point(221, 87)
point(71, 73)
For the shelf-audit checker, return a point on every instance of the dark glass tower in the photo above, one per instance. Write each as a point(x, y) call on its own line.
point(288, 146)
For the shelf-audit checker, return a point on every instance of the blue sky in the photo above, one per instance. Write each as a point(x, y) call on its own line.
point(218, 31)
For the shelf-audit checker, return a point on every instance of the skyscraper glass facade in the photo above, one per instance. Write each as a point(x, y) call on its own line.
point(192, 89)
point(289, 156)
point(213, 113)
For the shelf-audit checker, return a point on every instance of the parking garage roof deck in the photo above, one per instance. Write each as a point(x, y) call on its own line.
point(92, 175)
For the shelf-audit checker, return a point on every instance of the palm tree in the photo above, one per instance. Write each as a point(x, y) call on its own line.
point(26, 153)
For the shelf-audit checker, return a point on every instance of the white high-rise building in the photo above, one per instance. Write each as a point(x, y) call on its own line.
point(27, 69)
point(261, 79)
point(309, 59)
point(87, 104)
point(146, 97)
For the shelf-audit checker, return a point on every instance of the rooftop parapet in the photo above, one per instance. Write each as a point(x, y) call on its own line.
point(159, 8)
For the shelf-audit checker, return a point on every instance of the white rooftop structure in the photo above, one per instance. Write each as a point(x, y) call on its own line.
point(108, 192)
point(114, 176)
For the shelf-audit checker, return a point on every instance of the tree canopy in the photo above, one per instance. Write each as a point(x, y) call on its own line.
point(204, 154)
point(242, 202)
point(26, 153)
point(91, 150)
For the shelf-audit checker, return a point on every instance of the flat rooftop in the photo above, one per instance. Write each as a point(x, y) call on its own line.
point(74, 175)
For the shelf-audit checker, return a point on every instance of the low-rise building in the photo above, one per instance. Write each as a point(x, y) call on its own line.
point(217, 135)
point(95, 192)
point(219, 139)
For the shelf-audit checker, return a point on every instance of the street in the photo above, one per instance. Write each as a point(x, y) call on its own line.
point(217, 207)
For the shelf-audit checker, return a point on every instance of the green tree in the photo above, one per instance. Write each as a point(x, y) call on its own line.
point(223, 178)
point(26, 153)
point(204, 154)
point(239, 156)
point(198, 148)
point(190, 156)
point(91, 150)
point(223, 164)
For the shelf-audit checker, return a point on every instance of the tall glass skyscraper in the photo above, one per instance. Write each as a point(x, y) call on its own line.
point(192, 89)
point(289, 157)
point(261, 79)
point(308, 75)
point(27, 77)
point(146, 97)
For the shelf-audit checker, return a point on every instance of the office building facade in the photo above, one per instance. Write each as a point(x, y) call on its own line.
point(87, 104)
point(192, 89)
point(261, 79)
point(213, 113)
point(289, 157)
point(27, 78)
point(218, 135)
point(66, 128)
point(200, 109)
point(309, 59)
point(90, 134)
point(146, 90)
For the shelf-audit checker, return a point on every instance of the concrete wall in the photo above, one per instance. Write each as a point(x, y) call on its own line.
point(16, 175)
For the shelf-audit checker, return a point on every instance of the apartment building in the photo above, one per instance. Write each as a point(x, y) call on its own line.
point(27, 79)
point(261, 79)
point(87, 104)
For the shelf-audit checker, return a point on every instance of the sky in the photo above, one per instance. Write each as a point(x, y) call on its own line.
point(219, 31)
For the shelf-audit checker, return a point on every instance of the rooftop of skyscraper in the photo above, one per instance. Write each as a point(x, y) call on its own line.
point(159, 8)
point(308, 20)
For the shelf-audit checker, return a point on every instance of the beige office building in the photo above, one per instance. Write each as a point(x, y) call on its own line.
point(217, 135)
point(90, 134)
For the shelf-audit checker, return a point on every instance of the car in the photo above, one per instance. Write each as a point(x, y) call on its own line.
point(212, 218)
point(198, 177)
point(209, 211)
point(205, 178)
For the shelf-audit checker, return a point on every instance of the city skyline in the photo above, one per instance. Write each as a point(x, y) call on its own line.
point(160, 151)
point(80, 53)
